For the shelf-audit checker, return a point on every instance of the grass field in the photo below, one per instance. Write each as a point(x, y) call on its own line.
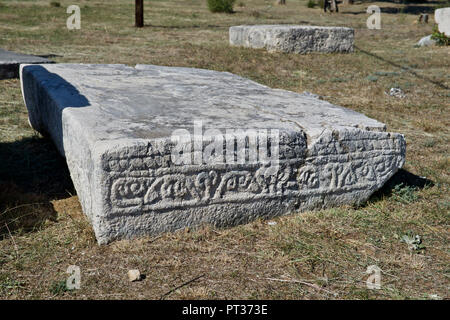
point(322, 254)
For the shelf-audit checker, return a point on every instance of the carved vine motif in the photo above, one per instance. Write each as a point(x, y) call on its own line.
point(309, 177)
point(336, 175)
point(180, 186)
point(129, 191)
point(185, 188)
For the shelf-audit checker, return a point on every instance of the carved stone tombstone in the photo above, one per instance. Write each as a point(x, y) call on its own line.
point(152, 149)
point(293, 38)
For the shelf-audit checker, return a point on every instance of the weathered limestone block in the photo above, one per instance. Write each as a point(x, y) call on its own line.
point(10, 61)
point(292, 38)
point(153, 149)
point(425, 41)
point(442, 18)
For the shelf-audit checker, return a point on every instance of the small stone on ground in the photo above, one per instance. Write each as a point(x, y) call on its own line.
point(426, 41)
point(134, 275)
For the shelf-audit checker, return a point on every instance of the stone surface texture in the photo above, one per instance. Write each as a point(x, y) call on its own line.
point(10, 62)
point(293, 38)
point(114, 124)
point(442, 18)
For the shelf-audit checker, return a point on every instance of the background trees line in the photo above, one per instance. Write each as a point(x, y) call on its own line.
point(226, 6)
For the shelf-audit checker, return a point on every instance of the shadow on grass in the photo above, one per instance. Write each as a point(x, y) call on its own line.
point(402, 178)
point(404, 68)
point(195, 26)
point(415, 10)
point(32, 173)
point(409, 9)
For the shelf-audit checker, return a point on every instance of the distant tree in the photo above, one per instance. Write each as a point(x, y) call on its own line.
point(221, 5)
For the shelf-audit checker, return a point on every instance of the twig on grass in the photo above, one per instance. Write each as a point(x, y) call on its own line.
point(154, 239)
point(16, 248)
point(312, 285)
point(22, 205)
point(180, 286)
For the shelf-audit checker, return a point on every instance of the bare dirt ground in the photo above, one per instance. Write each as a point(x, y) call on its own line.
point(322, 254)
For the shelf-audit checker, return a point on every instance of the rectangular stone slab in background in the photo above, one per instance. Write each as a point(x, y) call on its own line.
point(442, 18)
point(10, 62)
point(293, 39)
point(115, 124)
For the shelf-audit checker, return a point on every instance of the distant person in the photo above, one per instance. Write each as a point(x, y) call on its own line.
point(332, 5)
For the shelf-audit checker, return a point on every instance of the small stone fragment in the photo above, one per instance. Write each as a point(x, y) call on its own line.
point(396, 92)
point(134, 275)
point(426, 41)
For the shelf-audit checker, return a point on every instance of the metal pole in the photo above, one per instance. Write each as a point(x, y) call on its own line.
point(139, 13)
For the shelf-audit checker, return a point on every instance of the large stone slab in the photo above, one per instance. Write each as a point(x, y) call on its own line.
point(292, 38)
point(10, 62)
point(442, 18)
point(123, 131)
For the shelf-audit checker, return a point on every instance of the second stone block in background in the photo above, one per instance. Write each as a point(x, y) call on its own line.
point(293, 38)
